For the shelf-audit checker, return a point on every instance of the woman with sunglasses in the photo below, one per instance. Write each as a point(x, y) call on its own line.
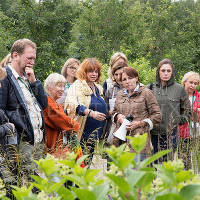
point(69, 72)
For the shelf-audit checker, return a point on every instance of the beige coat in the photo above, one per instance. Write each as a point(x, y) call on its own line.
point(141, 105)
point(79, 94)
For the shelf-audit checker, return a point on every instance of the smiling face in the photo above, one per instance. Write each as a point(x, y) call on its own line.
point(191, 84)
point(117, 75)
point(129, 82)
point(92, 76)
point(57, 91)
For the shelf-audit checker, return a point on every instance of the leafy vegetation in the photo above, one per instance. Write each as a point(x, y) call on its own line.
point(142, 29)
point(125, 178)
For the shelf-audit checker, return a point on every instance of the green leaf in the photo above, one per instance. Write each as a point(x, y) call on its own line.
point(138, 142)
point(134, 176)
point(153, 158)
point(69, 163)
point(78, 170)
point(75, 179)
point(84, 194)
point(166, 175)
point(47, 166)
point(101, 191)
point(146, 179)
point(125, 159)
point(37, 179)
point(65, 194)
point(184, 176)
point(90, 174)
point(120, 182)
point(81, 159)
point(190, 191)
point(170, 196)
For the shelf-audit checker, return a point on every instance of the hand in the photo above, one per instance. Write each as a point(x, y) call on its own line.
point(97, 115)
point(30, 74)
point(110, 112)
point(120, 118)
point(134, 124)
point(13, 126)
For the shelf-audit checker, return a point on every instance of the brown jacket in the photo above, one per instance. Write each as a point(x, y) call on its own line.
point(142, 104)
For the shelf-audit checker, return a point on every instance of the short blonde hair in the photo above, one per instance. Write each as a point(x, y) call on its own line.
point(88, 65)
point(52, 80)
point(116, 56)
point(189, 75)
point(68, 63)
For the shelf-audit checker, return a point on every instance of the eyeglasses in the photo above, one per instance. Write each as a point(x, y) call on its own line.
point(73, 68)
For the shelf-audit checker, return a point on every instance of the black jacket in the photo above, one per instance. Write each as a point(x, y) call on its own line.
point(12, 101)
point(5, 129)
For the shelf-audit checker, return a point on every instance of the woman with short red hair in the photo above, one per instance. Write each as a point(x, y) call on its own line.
point(85, 102)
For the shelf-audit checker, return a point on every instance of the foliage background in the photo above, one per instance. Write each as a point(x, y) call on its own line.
point(145, 30)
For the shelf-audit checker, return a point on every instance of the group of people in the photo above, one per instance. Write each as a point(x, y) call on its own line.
point(74, 110)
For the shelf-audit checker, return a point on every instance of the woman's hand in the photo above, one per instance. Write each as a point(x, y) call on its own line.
point(135, 124)
point(120, 118)
point(97, 115)
point(110, 112)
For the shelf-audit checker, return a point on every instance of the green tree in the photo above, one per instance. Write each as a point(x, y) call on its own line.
point(48, 23)
point(100, 29)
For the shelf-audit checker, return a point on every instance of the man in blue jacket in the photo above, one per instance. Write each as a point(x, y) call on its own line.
point(22, 98)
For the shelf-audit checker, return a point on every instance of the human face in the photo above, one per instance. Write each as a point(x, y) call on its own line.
point(71, 70)
point(191, 84)
point(26, 59)
point(165, 72)
point(117, 75)
point(57, 91)
point(92, 76)
point(129, 82)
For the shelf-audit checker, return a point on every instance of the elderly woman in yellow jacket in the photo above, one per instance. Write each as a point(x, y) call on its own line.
point(85, 102)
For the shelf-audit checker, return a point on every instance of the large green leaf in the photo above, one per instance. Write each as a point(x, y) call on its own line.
point(90, 174)
point(138, 142)
point(65, 194)
point(47, 166)
point(190, 191)
point(84, 194)
point(146, 179)
point(120, 182)
point(153, 158)
point(101, 191)
point(125, 159)
point(134, 176)
point(167, 176)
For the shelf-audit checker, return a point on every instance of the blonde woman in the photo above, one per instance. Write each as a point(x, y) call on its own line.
point(116, 58)
point(189, 132)
point(4, 63)
point(69, 72)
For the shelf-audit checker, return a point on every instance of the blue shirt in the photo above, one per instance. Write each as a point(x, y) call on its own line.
point(93, 125)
